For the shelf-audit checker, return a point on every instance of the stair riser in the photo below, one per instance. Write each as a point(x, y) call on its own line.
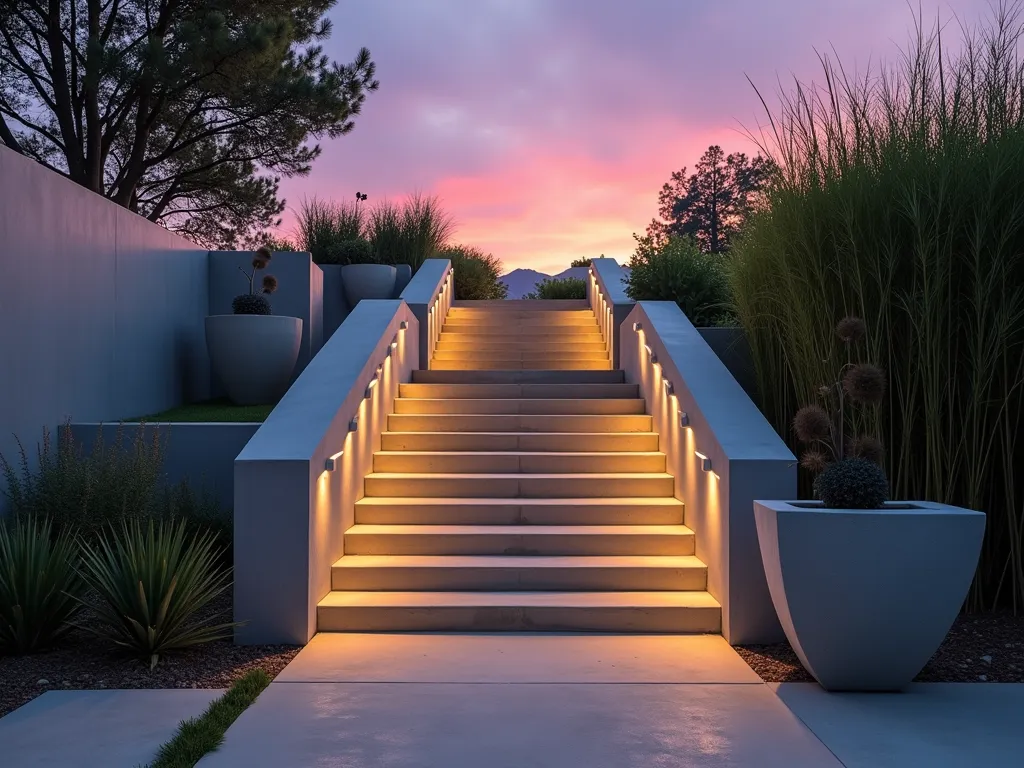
point(483, 344)
point(555, 322)
point(516, 514)
point(522, 353)
point(510, 463)
point(472, 579)
point(532, 544)
point(509, 619)
point(516, 423)
point(511, 441)
point(566, 406)
point(518, 377)
point(526, 486)
point(516, 332)
point(520, 365)
point(530, 391)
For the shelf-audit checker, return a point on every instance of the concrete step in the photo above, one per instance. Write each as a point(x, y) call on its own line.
point(482, 343)
point(437, 422)
point(518, 377)
point(534, 405)
point(655, 612)
point(534, 305)
point(523, 540)
point(556, 322)
point(371, 510)
point(471, 462)
point(511, 331)
point(537, 442)
point(520, 365)
point(467, 573)
point(549, 486)
point(520, 352)
point(510, 391)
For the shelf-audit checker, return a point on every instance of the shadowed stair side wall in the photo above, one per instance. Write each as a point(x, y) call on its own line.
point(606, 295)
point(723, 454)
point(291, 511)
point(429, 295)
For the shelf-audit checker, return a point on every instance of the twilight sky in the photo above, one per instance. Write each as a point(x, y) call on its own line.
point(547, 127)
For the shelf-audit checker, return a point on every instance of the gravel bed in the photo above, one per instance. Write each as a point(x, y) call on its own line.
point(83, 662)
point(983, 648)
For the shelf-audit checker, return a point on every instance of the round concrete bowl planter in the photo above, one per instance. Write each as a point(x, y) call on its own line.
point(866, 596)
point(253, 355)
point(368, 281)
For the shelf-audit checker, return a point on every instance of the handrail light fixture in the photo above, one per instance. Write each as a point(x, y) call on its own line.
point(638, 326)
point(332, 462)
point(403, 325)
point(394, 341)
point(705, 462)
point(684, 419)
point(669, 387)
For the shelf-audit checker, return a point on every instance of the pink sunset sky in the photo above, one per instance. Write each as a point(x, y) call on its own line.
point(547, 127)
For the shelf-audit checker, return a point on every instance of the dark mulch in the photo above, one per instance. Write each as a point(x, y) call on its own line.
point(81, 661)
point(985, 648)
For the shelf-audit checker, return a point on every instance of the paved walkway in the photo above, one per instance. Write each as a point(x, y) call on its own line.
point(517, 700)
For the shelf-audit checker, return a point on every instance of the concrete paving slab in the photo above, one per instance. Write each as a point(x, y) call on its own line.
point(388, 725)
point(96, 729)
point(938, 725)
point(517, 658)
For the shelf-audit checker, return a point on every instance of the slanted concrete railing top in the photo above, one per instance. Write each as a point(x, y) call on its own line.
point(606, 293)
point(291, 511)
point(429, 295)
point(722, 452)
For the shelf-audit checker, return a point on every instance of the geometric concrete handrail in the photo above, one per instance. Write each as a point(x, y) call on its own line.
point(606, 293)
point(722, 452)
point(298, 478)
point(429, 295)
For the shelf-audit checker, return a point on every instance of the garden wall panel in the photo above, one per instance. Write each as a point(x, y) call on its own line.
point(101, 315)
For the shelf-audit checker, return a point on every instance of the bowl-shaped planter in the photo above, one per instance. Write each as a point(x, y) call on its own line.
point(368, 281)
point(866, 596)
point(253, 355)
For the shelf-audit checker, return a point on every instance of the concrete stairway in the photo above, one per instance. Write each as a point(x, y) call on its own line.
point(527, 493)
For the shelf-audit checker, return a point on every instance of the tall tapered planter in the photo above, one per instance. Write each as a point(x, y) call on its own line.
point(368, 281)
point(253, 356)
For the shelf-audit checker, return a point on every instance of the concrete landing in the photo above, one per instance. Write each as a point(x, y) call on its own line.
point(96, 729)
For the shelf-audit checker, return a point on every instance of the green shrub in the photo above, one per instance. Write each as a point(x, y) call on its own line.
point(566, 288)
point(477, 274)
point(153, 580)
point(346, 252)
point(852, 484)
point(323, 226)
point(905, 205)
point(84, 491)
point(39, 585)
point(679, 271)
point(201, 511)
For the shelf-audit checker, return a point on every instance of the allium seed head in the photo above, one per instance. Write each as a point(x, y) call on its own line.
point(865, 383)
point(867, 447)
point(811, 423)
point(269, 283)
point(814, 461)
point(851, 329)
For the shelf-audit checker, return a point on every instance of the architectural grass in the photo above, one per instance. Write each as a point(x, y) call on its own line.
point(220, 410)
point(199, 735)
point(901, 201)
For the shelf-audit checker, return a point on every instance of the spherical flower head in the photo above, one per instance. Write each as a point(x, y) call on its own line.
point(867, 447)
point(269, 283)
point(814, 461)
point(865, 383)
point(851, 329)
point(811, 423)
point(262, 258)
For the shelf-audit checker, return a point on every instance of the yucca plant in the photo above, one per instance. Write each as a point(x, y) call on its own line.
point(39, 585)
point(152, 582)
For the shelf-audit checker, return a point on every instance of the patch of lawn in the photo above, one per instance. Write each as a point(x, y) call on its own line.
point(211, 410)
point(199, 735)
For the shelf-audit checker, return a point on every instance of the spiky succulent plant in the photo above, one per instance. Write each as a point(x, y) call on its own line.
point(255, 302)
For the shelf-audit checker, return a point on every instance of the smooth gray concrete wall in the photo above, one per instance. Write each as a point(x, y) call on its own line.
point(606, 293)
point(299, 294)
point(290, 513)
point(202, 453)
point(101, 316)
point(336, 308)
point(748, 459)
point(429, 295)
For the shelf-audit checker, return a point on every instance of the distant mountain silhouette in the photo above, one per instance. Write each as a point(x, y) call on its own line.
point(522, 281)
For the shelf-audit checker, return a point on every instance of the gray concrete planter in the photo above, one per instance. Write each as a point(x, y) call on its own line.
point(368, 281)
point(253, 355)
point(867, 596)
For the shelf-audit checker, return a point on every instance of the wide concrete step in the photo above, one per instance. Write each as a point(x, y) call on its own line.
point(466, 462)
point(503, 422)
point(534, 405)
point(518, 377)
point(533, 305)
point(521, 540)
point(655, 612)
point(549, 486)
point(512, 391)
point(531, 331)
point(546, 442)
point(546, 319)
point(472, 573)
point(520, 365)
point(520, 352)
point(554, 344)
point(371, 510)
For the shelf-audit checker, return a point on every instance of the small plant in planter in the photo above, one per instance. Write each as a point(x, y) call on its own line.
point(255, 302)
point(848, 470)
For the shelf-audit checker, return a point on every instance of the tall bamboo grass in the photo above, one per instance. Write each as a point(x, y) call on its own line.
point(901, 200)
point(410, 233)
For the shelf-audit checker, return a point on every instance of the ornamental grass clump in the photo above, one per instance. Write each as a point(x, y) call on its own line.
point(847, 468)
point(40, 586)
point(153, 582)
point(255, 302)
